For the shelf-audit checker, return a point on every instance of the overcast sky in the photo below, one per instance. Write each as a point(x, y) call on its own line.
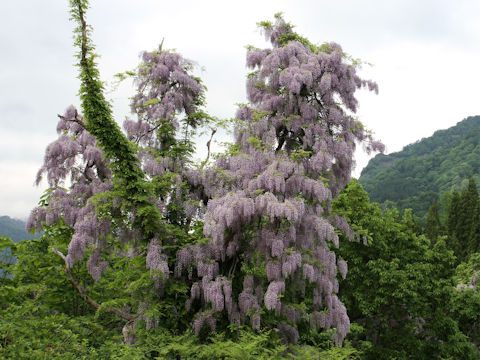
point(425, 56)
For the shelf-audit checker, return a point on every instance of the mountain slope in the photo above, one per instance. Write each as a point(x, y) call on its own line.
point(427, 169)
point(14, 229)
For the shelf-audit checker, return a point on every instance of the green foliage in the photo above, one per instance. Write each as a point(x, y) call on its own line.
point(427, 169)
point(452, 221)
point(29, 332)
point(42, 316)
point(399, 293)
point(466, 306)
point(236, 343)
point(469, 227)
point(6, 258)
point(398, 288)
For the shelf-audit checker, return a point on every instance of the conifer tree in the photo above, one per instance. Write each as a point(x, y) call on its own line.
point(464, 221)
point(433, 227)
point(471, 217)
point(453, 221)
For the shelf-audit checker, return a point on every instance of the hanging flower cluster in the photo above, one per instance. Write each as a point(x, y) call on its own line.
point(165, 92)
point(75, 157)
point(472, 285)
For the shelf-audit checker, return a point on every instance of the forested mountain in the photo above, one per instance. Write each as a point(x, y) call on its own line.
point(14, 229)
point(426, 170)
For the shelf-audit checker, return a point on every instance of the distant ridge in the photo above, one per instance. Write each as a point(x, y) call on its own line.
point(14, 229)
point(427, 169)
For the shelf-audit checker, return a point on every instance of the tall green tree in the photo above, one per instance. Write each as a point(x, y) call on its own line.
point(433, 227)
point(453, 221)
point(471, 217)
point(464, 221)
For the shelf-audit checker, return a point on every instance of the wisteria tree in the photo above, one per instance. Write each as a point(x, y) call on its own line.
point(269, 220)
point(248, 239)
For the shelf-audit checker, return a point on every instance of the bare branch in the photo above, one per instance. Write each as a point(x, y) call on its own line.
point(161, 46)
point(88, 299)
point(139, 137)
point(208, 147)
point(89, 165)
point(72, 120)
point(232, 269)
point(317, 100)
point(61, 255)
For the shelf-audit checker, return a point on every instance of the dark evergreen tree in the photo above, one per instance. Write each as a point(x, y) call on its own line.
point(471, 219)
point(453, 220)
point(464, 221)
point(433, 227)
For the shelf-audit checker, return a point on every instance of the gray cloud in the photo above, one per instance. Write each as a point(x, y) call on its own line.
point(408, 40)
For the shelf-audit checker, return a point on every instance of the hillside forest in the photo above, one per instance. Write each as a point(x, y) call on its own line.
point(426, 171)
point(267, 250)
